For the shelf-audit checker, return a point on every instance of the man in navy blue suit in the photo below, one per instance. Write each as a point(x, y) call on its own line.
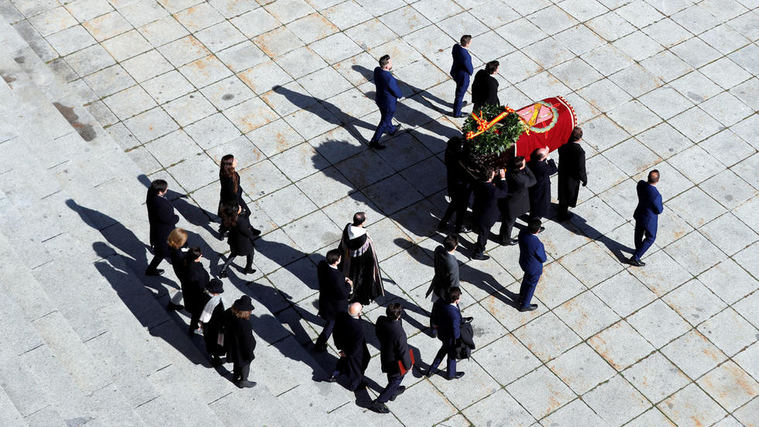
point(532, 255)
point(387, 94)
point(461, 70)
point(646, 216)
point(447, 318)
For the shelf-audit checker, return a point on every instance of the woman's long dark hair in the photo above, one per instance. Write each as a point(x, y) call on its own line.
point(229, 214)
point(227, 170)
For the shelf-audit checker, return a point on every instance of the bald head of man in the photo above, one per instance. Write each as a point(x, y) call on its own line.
point(541, 153)
point(355, 309)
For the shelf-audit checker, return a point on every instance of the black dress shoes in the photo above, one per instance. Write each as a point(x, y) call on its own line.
point(462, 229)
point(456, 376)
point(174, 307)
point(510, 242)
point(428, 373)
point(377, 146)
point(442, 226)
point(397, 128)
point(531, 307)
point(480, 256)
point(249, 270)
point(565, 217)
point(245, 384)
point(379, 408)
point(636, 262)
point(400, 391)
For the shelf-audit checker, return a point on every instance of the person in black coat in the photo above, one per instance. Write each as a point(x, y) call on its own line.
point(231, 190)
point(359, 261)
point(212, 319)
point(162, 220)
point(459, 185)
point(239, 341)
point(334, 292)
point(194, 286)
point(540, 194)
point(177, 242)
point(485, 208)
point(461, 70)
point(395, 358)
point(519, 179)
point(571, 173)
point(350, 340)
point(446, 269)
point(240, 239)
point(448, 321)
point(485, 87)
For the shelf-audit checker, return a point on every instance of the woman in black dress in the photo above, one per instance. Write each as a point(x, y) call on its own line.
point(177, 242)
point(194, 287)
point(231, 191)
point(240, 239)
point(239, 341)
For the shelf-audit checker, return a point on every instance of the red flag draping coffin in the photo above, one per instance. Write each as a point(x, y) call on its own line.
point(549, 123)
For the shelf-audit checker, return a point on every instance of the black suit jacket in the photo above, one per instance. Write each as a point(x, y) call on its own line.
point(393, 345)
point(333, 291)
point(349, 336)
point(484, 90)
point(193, 288)
point(518, 201)
point(540, 193)
point(571, 172)
point(485, 209)
point(162, 220)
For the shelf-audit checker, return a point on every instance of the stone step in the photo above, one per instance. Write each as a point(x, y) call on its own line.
point(166, 372)
point(298, 367)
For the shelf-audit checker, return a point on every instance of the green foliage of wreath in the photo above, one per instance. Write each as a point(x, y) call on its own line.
point(498, 138)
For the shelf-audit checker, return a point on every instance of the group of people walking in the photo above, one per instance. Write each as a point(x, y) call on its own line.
point(350, 278)
point(227, 331)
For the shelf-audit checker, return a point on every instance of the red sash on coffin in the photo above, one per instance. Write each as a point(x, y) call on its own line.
point(549, 123)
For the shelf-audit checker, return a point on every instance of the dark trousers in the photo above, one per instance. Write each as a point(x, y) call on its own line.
point(529, 283)
point(563, 209)
point(248, 261)
point(447, 349)
point(459, 204)
point(507, 225)
point(644, 238)
point(385, 125)
point(326, 333)
point(393, 382)
point(482, 240)
point(240, 372)
point(153, 266)
point(461, 86)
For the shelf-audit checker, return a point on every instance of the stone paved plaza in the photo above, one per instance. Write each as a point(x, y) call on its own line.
point(172, 85)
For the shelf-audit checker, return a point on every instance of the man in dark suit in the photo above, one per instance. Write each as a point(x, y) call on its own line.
point(350, 340)
point(162, 220)
point(334, 292)
point(485, 87)
point(459, 185)
point(386, 97)
point(519, 179)
point(540, 194)
point(394, 353)
point(461, 70)
point(448, 321)
point(571, 173)
point(646, 216)
point(446, 269)
point(485, 208)
point(532, 255)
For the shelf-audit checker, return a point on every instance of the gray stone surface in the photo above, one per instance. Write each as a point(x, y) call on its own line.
point(283, 85)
